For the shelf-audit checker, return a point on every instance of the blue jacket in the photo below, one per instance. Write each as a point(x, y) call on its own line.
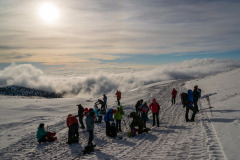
point(105, 99)
point(190, 98)
point(144, 109)
point(109, 115)
point(89, 122)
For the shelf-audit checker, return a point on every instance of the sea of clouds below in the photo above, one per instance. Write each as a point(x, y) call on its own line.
point(94, 84)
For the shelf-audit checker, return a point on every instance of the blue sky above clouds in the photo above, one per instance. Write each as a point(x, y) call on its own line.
point(95, 34)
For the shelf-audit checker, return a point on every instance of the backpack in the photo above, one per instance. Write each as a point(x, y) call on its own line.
point(199, 92)
point(184, 98)
point(112, 130)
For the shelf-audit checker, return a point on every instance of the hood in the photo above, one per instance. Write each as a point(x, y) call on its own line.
point(154, 100)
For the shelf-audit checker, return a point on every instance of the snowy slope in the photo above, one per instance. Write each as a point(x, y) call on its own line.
point(210, 137)
point(225, 98)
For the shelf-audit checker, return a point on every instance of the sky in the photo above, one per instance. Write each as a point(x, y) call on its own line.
point(92, 35)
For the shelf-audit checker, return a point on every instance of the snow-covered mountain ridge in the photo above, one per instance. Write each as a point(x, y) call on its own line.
point(14, 90)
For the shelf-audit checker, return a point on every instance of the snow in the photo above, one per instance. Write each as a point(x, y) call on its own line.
point(212, 136)
point(225, 100)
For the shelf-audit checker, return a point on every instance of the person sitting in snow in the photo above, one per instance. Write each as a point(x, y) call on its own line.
point(174, 94)
point(108, 118)
point(72, 124)
point(144, 112)
point(136, 122)
point(44, 136)
point(118, 117)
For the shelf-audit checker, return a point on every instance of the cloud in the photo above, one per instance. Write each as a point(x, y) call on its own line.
point(134, 27)
point(94, 84)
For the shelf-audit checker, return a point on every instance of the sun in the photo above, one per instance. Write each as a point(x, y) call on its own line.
point(48, 12)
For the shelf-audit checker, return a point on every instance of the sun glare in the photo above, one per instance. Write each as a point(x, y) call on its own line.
point(48, 12)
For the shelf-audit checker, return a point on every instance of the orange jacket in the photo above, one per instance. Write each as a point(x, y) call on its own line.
point(118, 95)
point(71, 120)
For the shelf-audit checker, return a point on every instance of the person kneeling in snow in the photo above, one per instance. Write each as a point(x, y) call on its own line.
point(137, 122)
point(72, 124)
point(44, 136)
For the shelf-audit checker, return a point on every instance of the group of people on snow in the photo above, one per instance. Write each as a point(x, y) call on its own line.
point(113, 117)
point(190, 101)
point(142, 110)
point(93, 115)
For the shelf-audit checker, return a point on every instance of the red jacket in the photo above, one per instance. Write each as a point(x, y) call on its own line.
point(174, 93)
point(71, 120)
point(118, 95)
point(154, 106)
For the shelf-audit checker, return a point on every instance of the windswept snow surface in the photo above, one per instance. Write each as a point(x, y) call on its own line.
point(212, 136)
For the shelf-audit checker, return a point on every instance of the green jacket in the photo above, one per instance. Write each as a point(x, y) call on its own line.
point(118, 115)
point(41, 133)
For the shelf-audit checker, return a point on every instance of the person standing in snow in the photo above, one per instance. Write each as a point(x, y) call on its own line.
point(184, 99)
point(196, 95)
point(190, 107)
point(80, 115)
point(108, 118)
point(155, 107)
point(138, 104)
point(72, 124)
point(144, 111)
point(174, 94)
point(105, 100)
point(118, 117)
point(118, 94)
point(90, 118)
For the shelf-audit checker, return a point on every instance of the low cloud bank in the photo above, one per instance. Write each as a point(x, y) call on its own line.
point(27, 75)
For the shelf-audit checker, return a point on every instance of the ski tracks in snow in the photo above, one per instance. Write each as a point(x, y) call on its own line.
point(174, 139)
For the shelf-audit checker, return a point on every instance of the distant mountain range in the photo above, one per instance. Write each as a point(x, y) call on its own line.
point(14, 90)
